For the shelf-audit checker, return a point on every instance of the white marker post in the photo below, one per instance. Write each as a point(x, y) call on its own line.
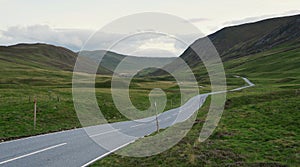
point(34, 117)
point(157, 124)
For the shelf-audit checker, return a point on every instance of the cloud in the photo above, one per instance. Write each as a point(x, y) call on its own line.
point(258, 18)
point(70, 38)
point(196, 20)
point(140, 44)
point(150, 45)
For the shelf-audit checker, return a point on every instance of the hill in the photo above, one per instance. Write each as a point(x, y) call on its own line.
point(111, 60)
point(51, 57)
point(44, 56)
point(38, 55)
point(245, 40)
point(259, 125)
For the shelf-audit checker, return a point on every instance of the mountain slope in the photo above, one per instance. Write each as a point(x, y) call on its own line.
point(255, 37)
point(244, 40)
point(39, 55)
point(259, 126)
point(111, 60)
point(46, 56)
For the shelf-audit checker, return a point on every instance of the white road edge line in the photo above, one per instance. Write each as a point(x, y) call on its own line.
point(104, 133)
point(250, 84)
point(36, 152)
point(103, 155)
point(136, 125)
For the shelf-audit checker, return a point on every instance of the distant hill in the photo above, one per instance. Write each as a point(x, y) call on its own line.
point(39, 55)
point(111, 60)
point(46, 56)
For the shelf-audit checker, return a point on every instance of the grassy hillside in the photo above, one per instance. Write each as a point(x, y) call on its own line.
point(259, 127)
point(42, 56)
point(44, 71)
point(111, 60)
point(245, 40)
point(20, 84)
point(39, 56)
point(49, 57)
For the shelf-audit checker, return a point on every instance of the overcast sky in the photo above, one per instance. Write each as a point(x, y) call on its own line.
point(69, 23)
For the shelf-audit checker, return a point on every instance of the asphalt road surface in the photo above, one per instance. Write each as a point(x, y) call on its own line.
point(76, 148)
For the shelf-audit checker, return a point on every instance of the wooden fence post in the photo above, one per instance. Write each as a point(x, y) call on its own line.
point(34, 117)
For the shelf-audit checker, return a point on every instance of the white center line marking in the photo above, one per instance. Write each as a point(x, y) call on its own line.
point(26, 155)
point(103, 155)
point(136, 125)
point(104, 133)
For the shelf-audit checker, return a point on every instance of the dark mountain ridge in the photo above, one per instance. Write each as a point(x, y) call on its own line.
point(244, 40)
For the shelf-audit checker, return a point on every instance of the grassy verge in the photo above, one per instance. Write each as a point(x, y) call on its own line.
point(259, 127)
point(55, 109)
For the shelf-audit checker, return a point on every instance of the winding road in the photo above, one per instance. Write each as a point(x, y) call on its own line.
point(76, 148)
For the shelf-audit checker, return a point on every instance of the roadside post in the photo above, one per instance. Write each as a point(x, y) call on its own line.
point(157, 124)
point(34, 117)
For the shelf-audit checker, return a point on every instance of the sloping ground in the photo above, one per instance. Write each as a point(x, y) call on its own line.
point(111, 60)
point(245, 40)
point(39, 55)
point(255, 37)
point(259, 127)
point(43, 56)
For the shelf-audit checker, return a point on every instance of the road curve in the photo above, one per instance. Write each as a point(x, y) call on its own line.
point(76, 148)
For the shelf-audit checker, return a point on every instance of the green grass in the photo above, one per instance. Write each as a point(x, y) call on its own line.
point(259, 126)
point(19, 84)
